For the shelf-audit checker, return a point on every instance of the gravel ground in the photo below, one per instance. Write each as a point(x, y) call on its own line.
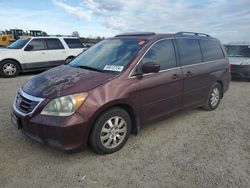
point(195, 148)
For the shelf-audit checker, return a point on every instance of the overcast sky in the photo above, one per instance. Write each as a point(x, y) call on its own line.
point(228, 20)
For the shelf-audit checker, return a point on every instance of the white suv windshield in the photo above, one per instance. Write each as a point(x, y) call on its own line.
point(20, 43)
point(108, 55)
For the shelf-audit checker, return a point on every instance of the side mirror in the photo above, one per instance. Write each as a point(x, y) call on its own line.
point(150, 67)
point(28, 48)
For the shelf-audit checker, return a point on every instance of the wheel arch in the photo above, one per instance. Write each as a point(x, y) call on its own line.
point(11, 59)
point(222, 87)
point(123, 105)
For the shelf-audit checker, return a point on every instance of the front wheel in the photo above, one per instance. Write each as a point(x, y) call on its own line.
point(9, 69)
point(214, 97)
point(111, 131)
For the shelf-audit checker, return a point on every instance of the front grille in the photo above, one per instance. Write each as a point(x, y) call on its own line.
point(235, 67)
point(24, 104)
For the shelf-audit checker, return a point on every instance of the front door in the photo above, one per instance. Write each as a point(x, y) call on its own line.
point(37, 56)
point(160, 92)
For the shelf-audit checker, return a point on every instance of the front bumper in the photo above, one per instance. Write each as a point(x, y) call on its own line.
point(240, 71)
point(66, 133)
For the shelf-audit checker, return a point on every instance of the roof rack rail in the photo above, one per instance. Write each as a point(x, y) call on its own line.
point(59, 35)
point(56, 36)
point(135, 34)
point(192, 33)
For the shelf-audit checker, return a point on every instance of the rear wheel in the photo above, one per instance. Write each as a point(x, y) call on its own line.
point(111, 131)
point(68, 60)
point(214, 97)
point(9, 68)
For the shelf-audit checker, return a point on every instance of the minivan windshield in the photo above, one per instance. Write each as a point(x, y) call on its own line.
point(238, 51)
point(20, 43)
point(112, 55)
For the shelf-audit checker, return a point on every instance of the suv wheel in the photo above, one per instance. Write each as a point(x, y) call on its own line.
point(214, 97)
point(111, 131)
point(9, 69)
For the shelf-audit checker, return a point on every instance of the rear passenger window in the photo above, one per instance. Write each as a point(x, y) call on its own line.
point(54, 44)
point(211, 50)
point(162, 53)
point(189, 50)
point(73, 43)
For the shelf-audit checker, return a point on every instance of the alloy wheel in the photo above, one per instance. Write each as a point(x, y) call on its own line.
point(215, 97)
point(9, 69)
point(113, 132)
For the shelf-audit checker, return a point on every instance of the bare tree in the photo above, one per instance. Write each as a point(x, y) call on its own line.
point(75, 34)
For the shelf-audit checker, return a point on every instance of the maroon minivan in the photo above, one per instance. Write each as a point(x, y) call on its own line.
point(118, 85)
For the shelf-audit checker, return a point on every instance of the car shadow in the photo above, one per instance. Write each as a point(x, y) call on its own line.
point(239, 80)
point(26, 74)
point(33, 73)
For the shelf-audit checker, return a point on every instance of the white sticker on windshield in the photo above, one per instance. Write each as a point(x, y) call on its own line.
point(113, 68)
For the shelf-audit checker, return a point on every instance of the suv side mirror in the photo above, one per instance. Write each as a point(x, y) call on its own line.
point(28, 48)
point(150, 67)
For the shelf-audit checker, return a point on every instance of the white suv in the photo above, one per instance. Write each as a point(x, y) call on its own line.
point(38, 53)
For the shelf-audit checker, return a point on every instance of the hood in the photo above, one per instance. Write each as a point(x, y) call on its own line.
point(238, 60)
point(7, 50)
point(8, 53)
point(64, 80)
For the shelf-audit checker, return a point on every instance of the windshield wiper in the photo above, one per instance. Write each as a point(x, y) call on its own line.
point(87, 67)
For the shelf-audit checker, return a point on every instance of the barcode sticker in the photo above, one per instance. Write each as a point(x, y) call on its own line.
point(113, 68)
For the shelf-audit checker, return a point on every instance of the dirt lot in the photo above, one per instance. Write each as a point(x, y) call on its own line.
point(195, 148)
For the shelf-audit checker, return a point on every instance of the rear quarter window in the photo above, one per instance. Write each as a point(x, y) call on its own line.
point(73, 43)
point(189, 51)
point(211, 50)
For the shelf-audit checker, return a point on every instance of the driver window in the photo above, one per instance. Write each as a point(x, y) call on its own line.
point(161, 53)
point(38, 44)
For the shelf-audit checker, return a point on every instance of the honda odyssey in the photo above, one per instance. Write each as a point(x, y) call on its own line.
point(116, 86)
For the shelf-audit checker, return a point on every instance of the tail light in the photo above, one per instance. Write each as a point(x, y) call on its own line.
point(229, 67)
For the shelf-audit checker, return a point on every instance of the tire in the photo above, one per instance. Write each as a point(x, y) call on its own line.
point(9, 69)
point(68, 60)
point(108, 136)
point(214, 97)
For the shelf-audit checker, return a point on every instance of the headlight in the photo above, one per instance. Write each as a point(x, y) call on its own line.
point(245, 63)
point(64, 106)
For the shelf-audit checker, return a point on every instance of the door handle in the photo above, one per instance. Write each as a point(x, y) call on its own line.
point(189, 73)
point(42, 52)
point(175, 76)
